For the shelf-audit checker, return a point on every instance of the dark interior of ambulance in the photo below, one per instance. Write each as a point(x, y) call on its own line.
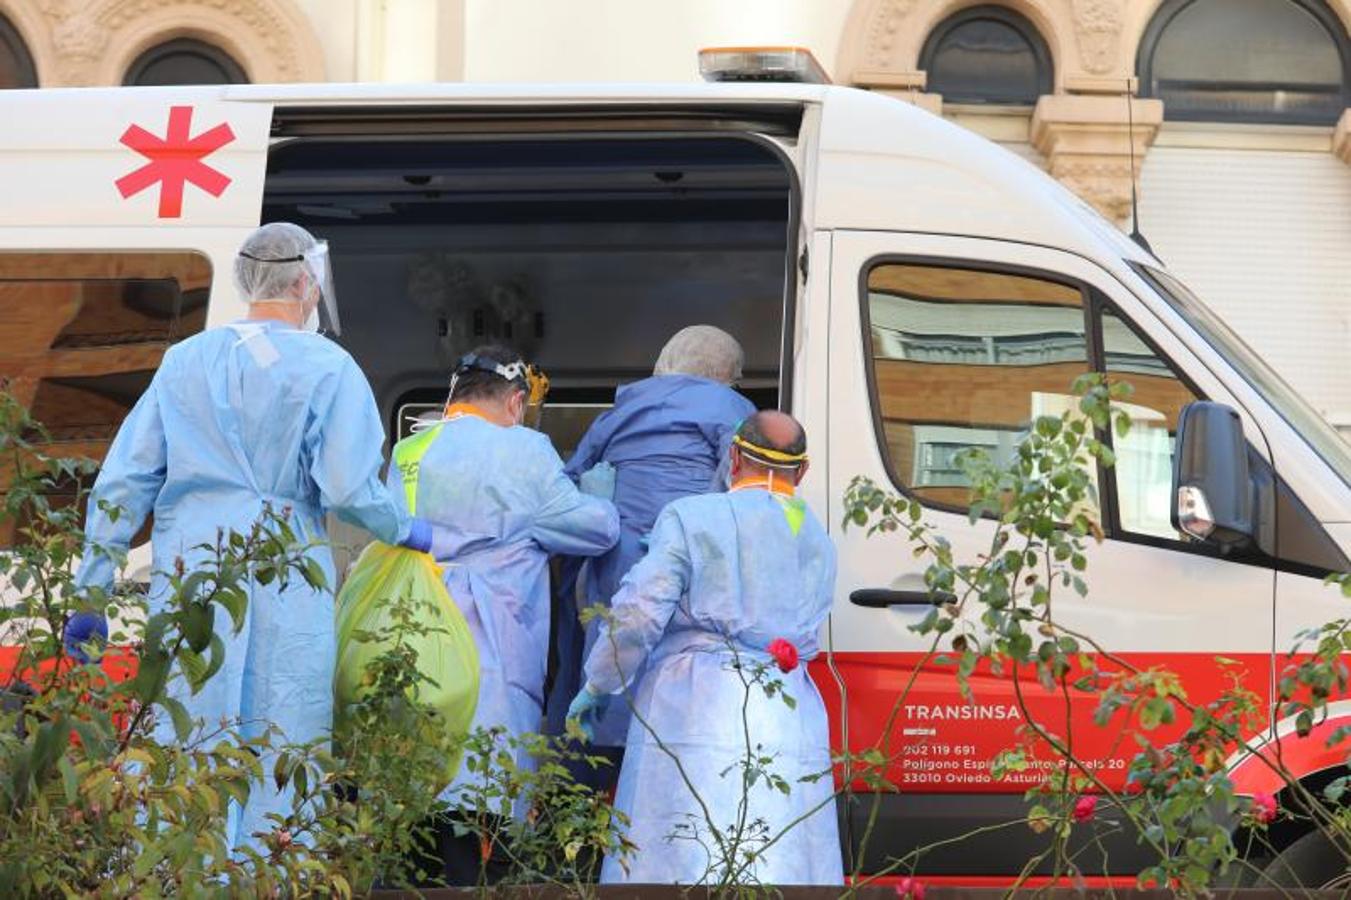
point(584, 254)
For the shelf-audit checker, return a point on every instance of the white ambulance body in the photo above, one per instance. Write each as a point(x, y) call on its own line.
point(904, 287)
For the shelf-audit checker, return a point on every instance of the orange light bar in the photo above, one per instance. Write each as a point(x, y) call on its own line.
point(792, 64)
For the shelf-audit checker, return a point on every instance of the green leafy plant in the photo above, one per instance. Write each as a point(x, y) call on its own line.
point(541, 823)
point(95, 800)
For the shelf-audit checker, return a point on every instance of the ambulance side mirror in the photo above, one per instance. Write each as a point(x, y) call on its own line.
point(1213, 491)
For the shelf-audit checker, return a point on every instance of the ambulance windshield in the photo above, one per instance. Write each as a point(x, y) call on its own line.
point(1320, 435)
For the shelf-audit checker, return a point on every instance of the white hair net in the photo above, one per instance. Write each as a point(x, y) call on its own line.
point(702, 350)
point(258, 279)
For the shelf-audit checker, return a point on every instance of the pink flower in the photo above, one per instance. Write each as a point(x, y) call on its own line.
point(908, 888)
point(1085, 808)
point(784, 653)
point(1264, 808)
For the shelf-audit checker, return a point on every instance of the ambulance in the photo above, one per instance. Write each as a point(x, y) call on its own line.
point(905, 288)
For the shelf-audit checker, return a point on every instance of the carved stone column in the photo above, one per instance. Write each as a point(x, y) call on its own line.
point(1341, 138)
point(1087, 141)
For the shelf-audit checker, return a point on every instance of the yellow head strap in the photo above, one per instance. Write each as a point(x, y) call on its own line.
point(539, 385)
point(768, 455)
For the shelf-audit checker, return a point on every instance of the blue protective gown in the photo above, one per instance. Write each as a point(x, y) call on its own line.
point(500, 505)
point(744, 567)
point(666, 436)
point(236, 417)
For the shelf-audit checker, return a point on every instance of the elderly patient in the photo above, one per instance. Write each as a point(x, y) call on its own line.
point(664, 439)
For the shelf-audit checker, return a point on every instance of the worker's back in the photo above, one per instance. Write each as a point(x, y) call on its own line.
point(236, 404)
point(760, 567)
point(500, 504)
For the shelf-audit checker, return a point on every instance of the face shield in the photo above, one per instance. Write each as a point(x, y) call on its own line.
point(321, 274)
point(258, 286)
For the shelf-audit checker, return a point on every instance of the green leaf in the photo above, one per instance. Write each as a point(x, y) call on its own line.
point(70, 781)
point(150, 677)
point(50, 743)
point(301, 781)
point(215, 658)
point(192, 586)
point(236, 603)
point(281, 771)
point(314, 574)
point(147, 859)
point(197, 623)
point(95, 740)
point(194, 668)
point(179, 714)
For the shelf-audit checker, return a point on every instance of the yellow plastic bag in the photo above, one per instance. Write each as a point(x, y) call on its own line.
point(447, 655)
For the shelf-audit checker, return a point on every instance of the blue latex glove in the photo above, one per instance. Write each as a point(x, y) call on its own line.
point(419, 536)
point(586, 708)
point(84, 628)
point(598, 481)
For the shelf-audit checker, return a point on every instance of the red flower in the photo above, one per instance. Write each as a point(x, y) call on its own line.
point(1264, 808)
point(1085, 808)
point(784, 653)
point(908, 888)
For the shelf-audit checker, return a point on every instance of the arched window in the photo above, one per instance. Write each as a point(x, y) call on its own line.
point(987, 54)
point(185, 61)
point(1247, 61)
point(16, 65)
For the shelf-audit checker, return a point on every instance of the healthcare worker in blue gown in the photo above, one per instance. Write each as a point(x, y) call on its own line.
point(264, 411)
point(726, 576)
point(663, 439)
point(500, 503)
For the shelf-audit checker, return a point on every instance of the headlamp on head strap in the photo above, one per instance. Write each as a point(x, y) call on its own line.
point(767, 456)
point(536, 382)
point(513, 371)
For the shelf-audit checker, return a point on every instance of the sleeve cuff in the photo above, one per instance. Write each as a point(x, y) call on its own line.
point(419, 536)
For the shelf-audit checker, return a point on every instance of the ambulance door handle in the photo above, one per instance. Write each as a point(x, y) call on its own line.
point(881, 598)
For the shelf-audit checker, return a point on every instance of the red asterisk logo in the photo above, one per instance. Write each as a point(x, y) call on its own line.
point(175, 160)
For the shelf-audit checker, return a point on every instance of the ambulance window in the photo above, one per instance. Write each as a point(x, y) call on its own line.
point(83, 333)
point(965, 359)
point(1144, 457)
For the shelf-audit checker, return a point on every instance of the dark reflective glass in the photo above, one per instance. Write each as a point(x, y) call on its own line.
point(81, 337)
point(185, 61)
point(987, 56)
point(16, 65)
point(1247, 60)
point(964, 360)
